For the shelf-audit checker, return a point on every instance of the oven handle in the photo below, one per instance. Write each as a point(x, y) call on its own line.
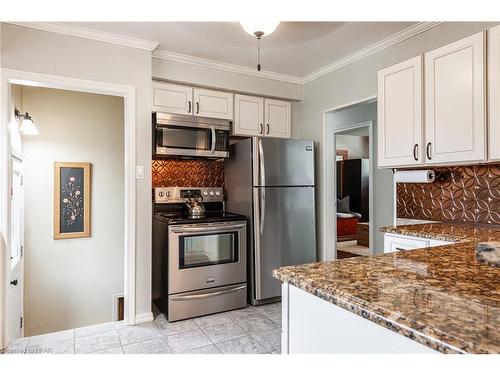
point(207, 295)
point(212, 149)
point(186, 229)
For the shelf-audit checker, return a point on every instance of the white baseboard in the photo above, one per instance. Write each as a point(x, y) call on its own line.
point(144, 317)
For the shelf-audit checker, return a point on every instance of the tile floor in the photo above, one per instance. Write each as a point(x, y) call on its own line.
point(255, 329)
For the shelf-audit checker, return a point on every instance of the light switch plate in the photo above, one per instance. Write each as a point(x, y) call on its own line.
point(139, 172)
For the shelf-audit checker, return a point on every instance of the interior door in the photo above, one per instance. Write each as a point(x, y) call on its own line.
point(285, 233)
point(15, 281)
point(455, 119)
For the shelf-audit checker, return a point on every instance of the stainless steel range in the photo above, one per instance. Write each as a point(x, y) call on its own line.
point(199, 264)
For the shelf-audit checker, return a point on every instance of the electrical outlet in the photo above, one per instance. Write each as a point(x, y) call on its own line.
point(139, 172)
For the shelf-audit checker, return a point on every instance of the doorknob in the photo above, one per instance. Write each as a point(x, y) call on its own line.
point(13, 282)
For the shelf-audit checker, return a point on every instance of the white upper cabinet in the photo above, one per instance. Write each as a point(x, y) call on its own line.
point(248, 115)
point(212, 103)
point(455, 126)
point(172, 98)
point(278, 118)
point(400, 114)
point(494, 93)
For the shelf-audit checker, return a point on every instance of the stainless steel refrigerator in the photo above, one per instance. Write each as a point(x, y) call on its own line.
point(271, 181)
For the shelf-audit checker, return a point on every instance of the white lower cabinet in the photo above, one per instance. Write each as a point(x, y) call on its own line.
point(395, 242)
point(313, 325)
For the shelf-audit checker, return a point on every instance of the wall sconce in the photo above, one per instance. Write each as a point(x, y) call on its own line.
point(28, 127)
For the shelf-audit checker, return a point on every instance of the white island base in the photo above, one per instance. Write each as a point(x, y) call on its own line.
point(313, 325)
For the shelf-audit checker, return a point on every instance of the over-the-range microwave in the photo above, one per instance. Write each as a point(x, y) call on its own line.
point(190, 136)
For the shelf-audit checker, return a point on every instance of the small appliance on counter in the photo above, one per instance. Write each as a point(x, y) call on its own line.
point(199, 260)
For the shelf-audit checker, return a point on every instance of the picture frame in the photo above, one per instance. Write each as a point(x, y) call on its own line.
point(72, 197)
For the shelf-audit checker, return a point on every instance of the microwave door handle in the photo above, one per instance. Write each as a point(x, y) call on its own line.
point(212, 150)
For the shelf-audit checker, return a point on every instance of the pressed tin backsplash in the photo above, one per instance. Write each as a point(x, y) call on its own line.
point(468, 194)
point(179, 172)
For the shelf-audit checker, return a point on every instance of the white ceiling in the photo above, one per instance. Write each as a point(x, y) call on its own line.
point(295, 48)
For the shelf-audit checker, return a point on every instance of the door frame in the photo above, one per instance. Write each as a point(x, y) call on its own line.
point(359, 125)
point(9, 77)
point(328, 236)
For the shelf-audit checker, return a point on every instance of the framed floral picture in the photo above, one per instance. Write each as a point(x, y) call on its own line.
point(71, 200)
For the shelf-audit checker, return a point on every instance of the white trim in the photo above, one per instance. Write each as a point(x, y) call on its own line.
point(144, 318)
point(227, 67)
point(371, 217)
point(9, 77)
point(83, 32)
point(370, 50)
point(329, 201)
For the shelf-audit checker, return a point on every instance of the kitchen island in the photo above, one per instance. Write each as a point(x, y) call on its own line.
point(438, 299)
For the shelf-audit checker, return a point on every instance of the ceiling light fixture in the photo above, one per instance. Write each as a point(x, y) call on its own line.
point(259, 29)
point(27, 127)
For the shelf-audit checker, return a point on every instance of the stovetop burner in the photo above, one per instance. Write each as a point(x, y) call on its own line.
point(210, 217)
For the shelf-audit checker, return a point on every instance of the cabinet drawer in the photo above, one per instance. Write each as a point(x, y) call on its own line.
point(394, 243)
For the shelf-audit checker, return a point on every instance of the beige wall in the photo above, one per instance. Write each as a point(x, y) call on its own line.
point(70, 283)
point(357, 146)
point(359, 80)
point(203, 76)
point(50, 53)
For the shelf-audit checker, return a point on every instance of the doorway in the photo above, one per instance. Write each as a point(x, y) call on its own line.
point(354, 121)
point(354, 158)
point(13, 302)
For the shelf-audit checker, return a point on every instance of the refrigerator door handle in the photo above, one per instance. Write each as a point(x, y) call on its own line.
point(262, 165)
point(262, 193)
point(257, 232)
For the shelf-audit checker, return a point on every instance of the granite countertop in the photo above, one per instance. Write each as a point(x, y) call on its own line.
point(441, 297)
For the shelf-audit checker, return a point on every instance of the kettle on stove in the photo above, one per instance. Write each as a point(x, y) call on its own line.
point(196, 210)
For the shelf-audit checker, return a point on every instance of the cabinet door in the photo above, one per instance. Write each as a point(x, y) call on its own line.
point(455, 128)
point(212, 103)
point(400, 114)
point(248, 115)
point(494, 93)
point(394, 243)
point(172, 98)
point(278, 118)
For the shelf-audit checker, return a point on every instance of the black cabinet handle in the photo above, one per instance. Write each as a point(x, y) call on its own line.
point(261, 129)
point(13, 282)
point(189, 108)
point(428, 151)
point(400, 249)
point(415, 149)
point(197, 107)
point(267, 129)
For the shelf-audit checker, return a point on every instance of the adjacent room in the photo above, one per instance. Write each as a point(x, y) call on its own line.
point(67, 228)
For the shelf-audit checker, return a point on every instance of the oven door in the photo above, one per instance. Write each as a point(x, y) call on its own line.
point(206, 255)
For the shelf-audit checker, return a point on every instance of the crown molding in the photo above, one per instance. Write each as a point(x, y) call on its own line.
point(218, 65)
point(86, 33)
point(370, 50)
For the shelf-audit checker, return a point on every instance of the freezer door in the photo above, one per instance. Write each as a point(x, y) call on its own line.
point(284, 233)
point(283, 162)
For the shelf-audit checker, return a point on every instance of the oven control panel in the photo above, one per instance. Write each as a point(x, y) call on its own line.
point(182, 194)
